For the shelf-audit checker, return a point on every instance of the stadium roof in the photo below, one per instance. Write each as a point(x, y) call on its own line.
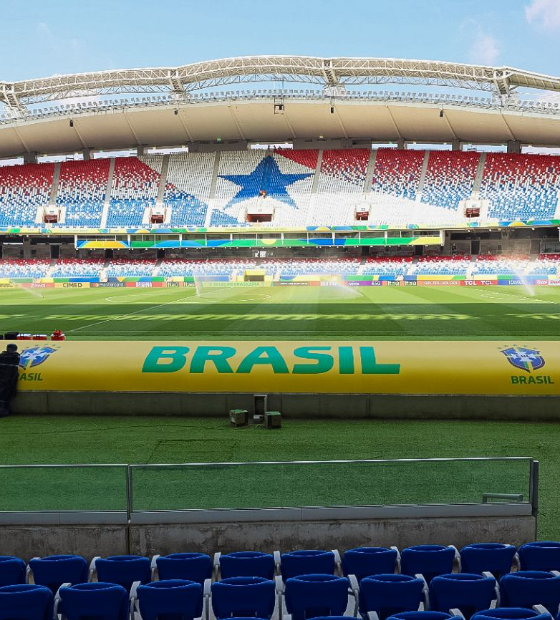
point(185, 112)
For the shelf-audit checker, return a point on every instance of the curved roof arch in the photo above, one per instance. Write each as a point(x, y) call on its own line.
point(325, 72)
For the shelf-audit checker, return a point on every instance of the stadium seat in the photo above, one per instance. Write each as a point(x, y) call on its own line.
point(495, 558)
point(173, 599)
point(308, 596)
point(54, 570)
point(188, 566)
point(424, 615)
point(464, 591)
point(26, 602)
point(307, 562)
point(12, 570)
point(385, 595)
point(99, 600)
point(365, 561)
point(539, 555)
point(428, 560)
point(529, 588)
point(245, 564)
point(243, 596)
point(511, 613)
point(123, 570)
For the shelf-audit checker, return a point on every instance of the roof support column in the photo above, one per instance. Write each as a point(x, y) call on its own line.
point(456, 145)
point(514, 146)
point(30, 158)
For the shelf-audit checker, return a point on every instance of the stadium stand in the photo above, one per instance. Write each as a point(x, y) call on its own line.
point(521, 187)
point(187, 190)
point(131, 267)
point(516, 187)
point(81, 192)
point(449, 178)
point(134, 189)
point(23, 189)
point(24, 268)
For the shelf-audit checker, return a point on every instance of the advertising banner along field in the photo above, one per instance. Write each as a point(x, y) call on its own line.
point(421, 367)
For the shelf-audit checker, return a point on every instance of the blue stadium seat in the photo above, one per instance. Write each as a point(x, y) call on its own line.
point(428, 560)
point(12, 570)
point(54, 570)
point(365, 561)
point(245, 564)
point(510, 613)
point(122, 570)
point(308, 562)
point(385, 595)
point(243, 596)
point(190, 566)
point(308, 596)
point(102, 601)
point(466, 592)
point(423, 615)
point(541, 555)
point(173, 599)
point(26, 602)
point(495, 558)
point(528, 588)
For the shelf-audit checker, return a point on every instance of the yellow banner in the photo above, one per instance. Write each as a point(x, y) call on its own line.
point(293, 367)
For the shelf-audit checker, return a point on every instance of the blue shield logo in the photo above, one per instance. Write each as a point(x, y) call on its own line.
point(35, 356)
point(524, 358)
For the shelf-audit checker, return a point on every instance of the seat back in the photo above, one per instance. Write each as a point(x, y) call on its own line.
point(102, 601)
point(428, 560)
point(510, 613)
point(190, 566)
point(492, 557)
point(365, 561)
point(175, 599)
point(528, 588)
point(54, 570)
point(247, 564)
point(422, 615)
point(308, 596)
point(540, 555)
point(12, 570)
point(390, 594)
point(308, 562)
point(124, 570)
point(26, 602)
point(465, 591)
point(243, 596)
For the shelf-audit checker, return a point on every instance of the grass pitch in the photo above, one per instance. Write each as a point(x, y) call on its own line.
point(484, 313)
point(334, 313)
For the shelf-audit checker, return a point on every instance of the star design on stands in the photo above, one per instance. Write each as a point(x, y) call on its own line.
point(267, 168)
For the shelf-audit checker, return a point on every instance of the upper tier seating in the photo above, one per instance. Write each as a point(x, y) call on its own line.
point(23, 189)
point(134, 188)
point(525, 187)
point(449, 178)
point(81, 191)
point(187, 190)
point(397, 173)
point(521, 187)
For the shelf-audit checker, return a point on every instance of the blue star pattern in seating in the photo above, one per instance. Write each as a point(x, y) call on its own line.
point(266, 176)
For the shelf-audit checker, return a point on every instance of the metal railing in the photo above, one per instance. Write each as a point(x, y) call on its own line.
point(249, 486)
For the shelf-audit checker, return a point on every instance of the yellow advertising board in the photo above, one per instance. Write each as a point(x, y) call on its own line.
point(421, 367)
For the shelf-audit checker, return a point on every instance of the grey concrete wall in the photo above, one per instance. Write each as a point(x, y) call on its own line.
point(292, 405)
point(289, 535)
point(29, 541)
point(89, 541)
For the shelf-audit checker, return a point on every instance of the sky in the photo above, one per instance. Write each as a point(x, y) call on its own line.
point(46, 37)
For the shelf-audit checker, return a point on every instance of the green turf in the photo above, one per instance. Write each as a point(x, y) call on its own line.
point(504, 313)
point(27, 439)
point(401, 313)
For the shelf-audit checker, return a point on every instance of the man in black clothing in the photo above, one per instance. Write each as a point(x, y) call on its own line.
point(9, 372)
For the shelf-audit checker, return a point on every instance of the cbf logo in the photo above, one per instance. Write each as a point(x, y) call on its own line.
point(32, 357)
point(529, 360)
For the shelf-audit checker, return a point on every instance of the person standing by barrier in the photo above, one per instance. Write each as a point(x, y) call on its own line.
point(9, 373)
